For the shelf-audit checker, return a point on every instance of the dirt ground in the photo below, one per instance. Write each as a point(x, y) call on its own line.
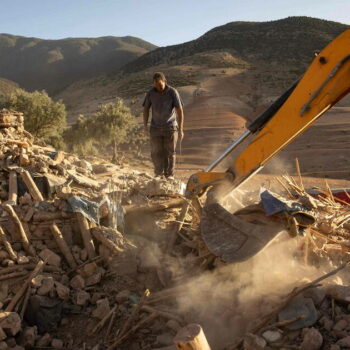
point(214, 117)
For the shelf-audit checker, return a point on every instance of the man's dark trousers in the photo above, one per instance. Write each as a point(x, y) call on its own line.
point(163, 149)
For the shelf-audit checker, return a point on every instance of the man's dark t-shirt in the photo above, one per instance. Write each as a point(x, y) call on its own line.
point(163, 106)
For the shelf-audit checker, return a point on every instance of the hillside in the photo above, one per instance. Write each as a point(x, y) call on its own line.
point(291, 41)
point(54, 64)
point(7, 86)
point(256, 61)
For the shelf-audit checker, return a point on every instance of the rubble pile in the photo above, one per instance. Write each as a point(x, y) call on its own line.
point(96, 256)
point(326, 225)
point(315, 314)
point(311, 317)
point(70, 275)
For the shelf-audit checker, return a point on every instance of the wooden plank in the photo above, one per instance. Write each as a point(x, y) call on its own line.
point(25, 242)
point(32, 188)
point(13, 188)
point(63, 246)
point(191, 337)
point(86, 235)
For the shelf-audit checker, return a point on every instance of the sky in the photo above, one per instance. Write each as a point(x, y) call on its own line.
point(159, 22)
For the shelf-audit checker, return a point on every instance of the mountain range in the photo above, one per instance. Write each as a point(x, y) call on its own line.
point(54, 64)
point(291, 41)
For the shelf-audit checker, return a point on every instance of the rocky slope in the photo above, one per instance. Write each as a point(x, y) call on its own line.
point(53, 64)
point(290, 41)
point(7, 86)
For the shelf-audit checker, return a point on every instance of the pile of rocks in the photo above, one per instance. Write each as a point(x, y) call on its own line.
point(63, 257)
point(315, 315)
point(317, 318)
point(94, 256)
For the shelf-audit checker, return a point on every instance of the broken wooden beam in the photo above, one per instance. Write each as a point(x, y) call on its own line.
point(149, 208)
point(7, 245)
point(32, 187)
point(86, 235)
point(29, 214)
point(23, 289)
point(13, 275)
point(177, 226)
point(101, 324)
point(25, 303)
point(191, 337)
point(28, 267)
point(140, 324)
point(97, 232)
point(133, 315)
point(24, 239)
point(110, 324)
point(49, 216)
point(162, 313)
point(12, 198)
point(63, 246)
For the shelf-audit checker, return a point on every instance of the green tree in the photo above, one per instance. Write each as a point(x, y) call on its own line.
point(43, 117)
point(80, 137)
point(112, 125)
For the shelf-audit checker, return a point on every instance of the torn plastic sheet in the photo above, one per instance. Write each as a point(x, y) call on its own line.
point(273, 204)
point(90, 210)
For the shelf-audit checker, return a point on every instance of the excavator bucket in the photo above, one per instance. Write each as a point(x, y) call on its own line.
point(231, 238)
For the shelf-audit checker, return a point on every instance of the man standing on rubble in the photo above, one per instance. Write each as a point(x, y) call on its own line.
point(166, 125)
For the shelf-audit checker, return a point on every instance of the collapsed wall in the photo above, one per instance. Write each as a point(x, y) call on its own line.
point(99, 256)
point(63, 256)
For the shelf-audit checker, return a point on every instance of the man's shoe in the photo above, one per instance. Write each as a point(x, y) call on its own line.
point(171, 177)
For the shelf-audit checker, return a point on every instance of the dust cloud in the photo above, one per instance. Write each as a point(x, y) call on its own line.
point(280, 164)
point(226, 300)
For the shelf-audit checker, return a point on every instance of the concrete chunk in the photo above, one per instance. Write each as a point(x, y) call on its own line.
point(94, 279)
point(10, 322)
point(312, 340)
point(77, 282)
point(272, 336)
point(82, 298)
point(44, 341)
point(50, 257)
point(62, 291)
point(102, 309)
point(29, 336)
point(47, 285)
point(253, 342)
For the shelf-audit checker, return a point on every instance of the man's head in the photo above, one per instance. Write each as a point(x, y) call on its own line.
point(159, 81)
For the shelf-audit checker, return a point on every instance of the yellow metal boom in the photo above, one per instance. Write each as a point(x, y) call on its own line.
point(325, 82)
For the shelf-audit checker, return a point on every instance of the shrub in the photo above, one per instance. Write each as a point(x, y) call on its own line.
point(111, 126)
point(43, 117)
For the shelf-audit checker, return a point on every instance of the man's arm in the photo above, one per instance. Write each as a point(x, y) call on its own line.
point(145, 116)
point(180, 120)
point(146, 106)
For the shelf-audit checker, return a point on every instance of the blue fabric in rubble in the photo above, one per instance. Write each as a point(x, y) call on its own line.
point(89, 209)
point(273, 205)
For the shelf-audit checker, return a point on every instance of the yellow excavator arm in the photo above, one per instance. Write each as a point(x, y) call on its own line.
point(325, 82)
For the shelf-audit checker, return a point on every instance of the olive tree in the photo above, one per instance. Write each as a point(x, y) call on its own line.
point(43, 117)
point(112, 125)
